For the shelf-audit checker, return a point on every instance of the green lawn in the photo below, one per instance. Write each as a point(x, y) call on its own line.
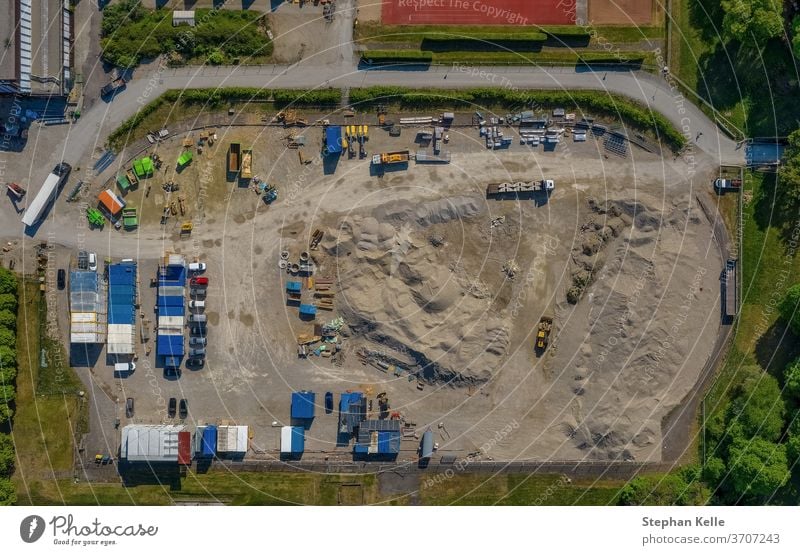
point(43, 425)
point(287, 488)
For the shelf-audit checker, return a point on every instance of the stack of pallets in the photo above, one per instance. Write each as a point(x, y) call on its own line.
point(324, 293)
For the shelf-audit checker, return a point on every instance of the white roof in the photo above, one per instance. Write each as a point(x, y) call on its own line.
point(171, 325)
point(41, 200)
point(82, 317)
point(183, 14)
point(153, 443)
point(286, 439)
point(232, 439)
point(80, 337)
point(120, 339)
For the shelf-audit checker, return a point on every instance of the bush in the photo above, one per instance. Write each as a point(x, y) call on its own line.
point(220, 36)
point(397, 56)
point(757, 409)
point(7, 338)
point(8, 319)
point(790, 308)
point(8, 301)
point(8, 493)
point(8, 357)
point(6, 455)
point(8, 282)
point(791, 380)
point(676, 488)
point(319, 97)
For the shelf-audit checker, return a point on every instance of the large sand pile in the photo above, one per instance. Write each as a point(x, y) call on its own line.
point(401, 287)
point(641, 332)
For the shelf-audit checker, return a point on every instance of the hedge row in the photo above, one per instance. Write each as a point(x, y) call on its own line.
point(214, 97)
point(8, 378)
point(583, 102)
point(403, 56)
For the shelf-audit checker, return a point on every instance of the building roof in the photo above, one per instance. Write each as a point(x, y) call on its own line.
point(111, 202)
point(150, 443)
point(232, 439)
point(169, 345)
point(85, 302)
point(352, 410)
point(333, 139)
point(303, 404)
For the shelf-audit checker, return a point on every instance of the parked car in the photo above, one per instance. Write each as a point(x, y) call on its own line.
point(173, 404)
point(198, 318)
point(197, 341)
point(328, 402)
point(92, 262)
point(62, 278)
point(198, 329)
point(129, 407)
point(197, 292)
point(124, 367)
point(200, 305)
point(198, 281)
point(172, 372)
point(83, 260)
point(195, 362)
point(199, 352)
point(197, 266)
point(184, 408)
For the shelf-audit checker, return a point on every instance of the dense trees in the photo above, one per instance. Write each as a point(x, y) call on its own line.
point(682, 487)
point(758, 467)
point(758, 20)
point(8, 374)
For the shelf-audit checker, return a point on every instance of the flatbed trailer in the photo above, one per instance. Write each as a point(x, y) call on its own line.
point(247, 164)
point(234, 158)
point(388, 158)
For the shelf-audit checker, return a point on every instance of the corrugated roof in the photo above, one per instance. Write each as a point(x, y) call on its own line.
point(303, 404)
point(151, 443)
point(111, 202)
point(169, 345)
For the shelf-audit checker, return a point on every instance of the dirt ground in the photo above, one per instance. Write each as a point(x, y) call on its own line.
point(417, 258)
point(621, 12)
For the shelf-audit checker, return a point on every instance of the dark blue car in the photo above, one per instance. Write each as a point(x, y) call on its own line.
point(328, 402)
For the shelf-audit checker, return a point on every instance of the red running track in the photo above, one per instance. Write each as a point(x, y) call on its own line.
point(470, 12)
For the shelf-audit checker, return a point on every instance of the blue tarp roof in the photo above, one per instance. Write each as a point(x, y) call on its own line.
point(351, 411)
point(298, 439)
point(172, 275)
point(208, 443)
point(121, 293)
point(333, 139)
point(170, 310)
point(294, 286)
point(388, 442)
point(169, 345)
point(303, 404)
point(308, 309)
point(171, 300)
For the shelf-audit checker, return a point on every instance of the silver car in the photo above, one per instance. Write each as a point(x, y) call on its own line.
point(197, 341)
point(197, 352)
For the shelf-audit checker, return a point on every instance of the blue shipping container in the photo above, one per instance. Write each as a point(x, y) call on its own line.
point(298, 439)
point(208, 445)
point(303, 404)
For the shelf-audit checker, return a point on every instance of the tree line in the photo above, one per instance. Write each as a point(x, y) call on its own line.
point(8, 376)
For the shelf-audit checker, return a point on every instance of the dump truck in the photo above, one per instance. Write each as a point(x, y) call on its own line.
point(132, 179)
point(396, 157)
point(247, 164)
point(543, 333)
point(234, 158)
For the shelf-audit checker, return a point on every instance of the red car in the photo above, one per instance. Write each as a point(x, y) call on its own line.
point(199, 281)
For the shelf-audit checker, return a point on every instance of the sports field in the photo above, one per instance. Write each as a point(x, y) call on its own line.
point(466, 12)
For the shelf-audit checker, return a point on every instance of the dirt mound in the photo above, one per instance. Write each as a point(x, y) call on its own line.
point(399, 289)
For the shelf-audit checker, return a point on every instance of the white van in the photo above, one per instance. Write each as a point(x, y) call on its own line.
point(125, 367)
point(197, 304)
